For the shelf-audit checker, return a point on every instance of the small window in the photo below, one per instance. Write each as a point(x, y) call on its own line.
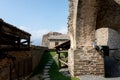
point(56, 43)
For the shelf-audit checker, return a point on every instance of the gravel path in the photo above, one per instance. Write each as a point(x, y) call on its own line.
point(90, 77)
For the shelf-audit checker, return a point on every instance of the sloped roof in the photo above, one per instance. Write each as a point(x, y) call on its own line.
point(13, 27)
point(63, 37)
point(64, 46)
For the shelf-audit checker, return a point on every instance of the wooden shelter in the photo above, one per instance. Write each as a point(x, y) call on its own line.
point(12, 38)
point(62, 51)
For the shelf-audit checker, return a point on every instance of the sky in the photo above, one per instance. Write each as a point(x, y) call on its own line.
point(37, 17)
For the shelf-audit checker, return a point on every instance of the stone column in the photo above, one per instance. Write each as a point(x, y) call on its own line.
point(83, 58)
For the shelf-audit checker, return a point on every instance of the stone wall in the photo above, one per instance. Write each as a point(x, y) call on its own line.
point(85, 17)
point(22, 65)
point(108, 14)
point(45, 40)
point(5, 73)
point(37, 55)
point(82, 24)
point(108, 37)
point(85, 61)
point(89, 56)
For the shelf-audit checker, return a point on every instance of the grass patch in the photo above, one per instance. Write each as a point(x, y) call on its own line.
point(56, 75)
point(54, 70)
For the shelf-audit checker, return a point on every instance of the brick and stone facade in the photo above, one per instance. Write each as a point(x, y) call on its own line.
point(89, 20)
point(52, 39)
point(45, 40)
point(57, 40)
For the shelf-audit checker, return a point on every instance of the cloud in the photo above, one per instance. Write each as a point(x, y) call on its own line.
point(36, 37)
point(63, 30)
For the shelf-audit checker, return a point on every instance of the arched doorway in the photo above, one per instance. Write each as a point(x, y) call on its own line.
point(111, 38)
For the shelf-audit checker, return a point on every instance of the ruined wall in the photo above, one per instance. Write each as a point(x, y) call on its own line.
point(85, 17)
point(83, 58)
point(25, 62)
point(71, 32)
point(108, 14)
point(45, 40)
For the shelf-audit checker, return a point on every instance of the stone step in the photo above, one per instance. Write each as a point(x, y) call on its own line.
point(47, 79)
point(48, 64)
point(45, 73)
point(51, 61)
point(46, 70)
point(46, 76)
point(47, 67)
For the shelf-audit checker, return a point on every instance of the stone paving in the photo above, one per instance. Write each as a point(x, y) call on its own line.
point(46, 75)
point(65, 72)
point(90, 77)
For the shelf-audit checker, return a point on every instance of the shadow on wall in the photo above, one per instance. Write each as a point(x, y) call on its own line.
point(108, 14)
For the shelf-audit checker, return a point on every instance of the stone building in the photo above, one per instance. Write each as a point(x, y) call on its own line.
point(56, 40)
point(92, 21)
point(52, 39)
point(45, 41)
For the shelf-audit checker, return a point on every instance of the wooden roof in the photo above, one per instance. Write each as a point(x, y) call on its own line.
point(13, 38)
point(64, 46)
point(13, 27)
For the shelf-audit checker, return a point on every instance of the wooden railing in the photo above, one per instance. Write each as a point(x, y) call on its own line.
point(62, 58)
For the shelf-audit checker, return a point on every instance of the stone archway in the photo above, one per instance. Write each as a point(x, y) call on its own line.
point(111, 38)
point(86, 16)
point(109, 16)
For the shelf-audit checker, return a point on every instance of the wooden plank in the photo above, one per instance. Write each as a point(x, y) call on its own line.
point(10, 34)
point(63, 62)
point(24, 42)
point(63, 51)
point(5, 46)
point(14, 28)
point(59, 63)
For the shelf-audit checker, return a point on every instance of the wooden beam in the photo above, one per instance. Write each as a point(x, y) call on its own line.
point(63, 62)
point(63, 51)
point(11, 36)
point(59, 63)
point(24, 42)
point(5, 46)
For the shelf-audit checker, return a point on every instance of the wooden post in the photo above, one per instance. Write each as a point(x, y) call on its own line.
point(10, 72)
point(24, 67)
point(18, 42)
point(59, 60)
point(29, 42)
